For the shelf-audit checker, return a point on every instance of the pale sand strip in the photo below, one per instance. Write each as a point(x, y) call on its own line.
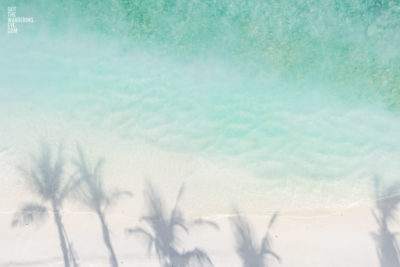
point(339, 238)
point(304, 238)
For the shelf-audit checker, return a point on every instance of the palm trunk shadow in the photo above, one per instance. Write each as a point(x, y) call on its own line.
point(93, 194)
point(164, 230)
point(107, 239)
point(387, 202)
point(61, 234)
point(47, 180)
point(249, 251)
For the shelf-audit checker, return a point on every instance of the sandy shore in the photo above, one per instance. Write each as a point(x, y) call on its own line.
point(212, 185)
point(337, 238)
point(325, 237)
point(301, 236)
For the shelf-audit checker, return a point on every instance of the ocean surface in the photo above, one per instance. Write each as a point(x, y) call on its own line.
point(299, 94)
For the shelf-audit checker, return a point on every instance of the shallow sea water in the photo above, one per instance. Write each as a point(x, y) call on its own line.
point(300, 139)
point(295, 121)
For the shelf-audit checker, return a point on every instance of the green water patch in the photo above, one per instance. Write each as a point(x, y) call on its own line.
point(347, 45)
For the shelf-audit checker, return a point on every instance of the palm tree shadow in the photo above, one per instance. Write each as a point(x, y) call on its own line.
point(46, 179)
point(247, 248)
point(92, 193)
point(163, 232)
point(387, 202)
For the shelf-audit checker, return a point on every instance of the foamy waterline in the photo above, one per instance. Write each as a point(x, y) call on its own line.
point(213, 186)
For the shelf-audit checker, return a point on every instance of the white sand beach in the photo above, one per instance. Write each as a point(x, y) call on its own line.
point(336, 238)
point(303, 237)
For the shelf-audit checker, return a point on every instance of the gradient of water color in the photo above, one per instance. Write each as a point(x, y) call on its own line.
point(293, 92)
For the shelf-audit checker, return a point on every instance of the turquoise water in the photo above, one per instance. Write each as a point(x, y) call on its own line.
point(285, 90)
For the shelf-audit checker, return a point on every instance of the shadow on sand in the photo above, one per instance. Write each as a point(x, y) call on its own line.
point(92, 193)
point(46, 179)
point(247, 248)
point(163, 232)
point(387, 203)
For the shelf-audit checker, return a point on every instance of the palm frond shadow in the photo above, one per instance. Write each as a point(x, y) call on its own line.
point(164, 230)
point(45, 177)
point(387, 203)
point(247, 248)
point(93, 194)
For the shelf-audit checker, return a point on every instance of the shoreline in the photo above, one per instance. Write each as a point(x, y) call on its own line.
point(324, 237)
point(129, 163)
